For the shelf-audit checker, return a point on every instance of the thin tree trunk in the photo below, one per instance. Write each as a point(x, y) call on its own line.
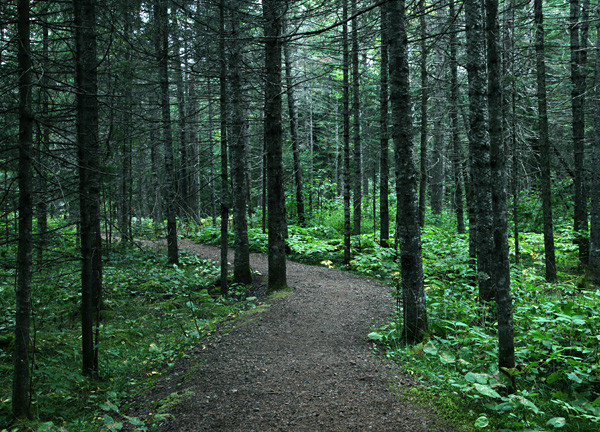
point(346, 131)
point(89, 177)
point(272, 12)
point(510, 101)
point(126, 139)
point(544, 144)
point(21, 381)
point(184, 157)
point(293, 113)
point(211, 155)
point(595, 189)
point(479, 146)
point(409, 237)
point(578, 60)
point(456, 145)
point(224, 102)
point(423, 128)
point(501, 267)
point(241, 266)
point(157, 213)
point(438, 163)
point(44, 144)
point(384, 166)
point(357, 196)
point(162, 51)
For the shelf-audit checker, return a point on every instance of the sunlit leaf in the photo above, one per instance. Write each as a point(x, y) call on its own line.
point(557, 422)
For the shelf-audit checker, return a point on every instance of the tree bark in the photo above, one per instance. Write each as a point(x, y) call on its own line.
point(501, 266)
point(273, 15)
point(241, 265)
point(183, 198)
point(223, 105)
point(384, 165)
point(594, 262)
point(423, 127)
point(162, 53)
point(479, 146)
point(544, 144)
point(21, 381)
point(457, 155)
point(293, 113)
point(357, 195)
point(89, 177)
point(409, 237)
point(578, 60)
point(44, 145)
point(126, 135)
point(346, 131)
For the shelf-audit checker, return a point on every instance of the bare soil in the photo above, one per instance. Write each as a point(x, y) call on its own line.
point(302, 364)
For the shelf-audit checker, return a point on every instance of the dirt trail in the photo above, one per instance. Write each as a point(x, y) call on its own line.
point(304, 364)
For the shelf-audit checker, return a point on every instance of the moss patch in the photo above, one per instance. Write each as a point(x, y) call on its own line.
point(282, 293)
point(165, 405)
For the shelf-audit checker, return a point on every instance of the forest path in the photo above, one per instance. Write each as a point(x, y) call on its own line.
point(303, 364)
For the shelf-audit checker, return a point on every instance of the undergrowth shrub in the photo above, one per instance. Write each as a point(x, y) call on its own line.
point(152, 314)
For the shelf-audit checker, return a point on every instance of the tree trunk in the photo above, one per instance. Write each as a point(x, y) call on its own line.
point(89, 177)
point(424, 101)
point(384, 166)
point(409, 237)
point(357, 196)
point(544, 144)
point(162, 52)
point(293, 113)
point(211, 156)
point(157, 209)
point(510, 101)
point(578, 60)
point(438, 163)
point(224, 102)
point(126, 136)
point(457, 155)
point(183, 203)
point(479, 146)
point(21, 389)
point(501, 266)
point(241, 266)
point(44, 145)
point(346, 131)
point(272, 12)
point(595, 189)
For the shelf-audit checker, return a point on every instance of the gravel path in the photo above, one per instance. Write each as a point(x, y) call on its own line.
point(304, 364)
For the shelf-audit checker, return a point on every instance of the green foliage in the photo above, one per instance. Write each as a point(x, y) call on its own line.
point(556, 326)
point(556, 333)
point(152, 314)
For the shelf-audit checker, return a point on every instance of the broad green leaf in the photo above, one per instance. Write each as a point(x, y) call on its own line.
point(447, 358)
point(109, 406)
point(481, 422)
point(430, 348)
point(553, 377)
point(573, 377)
point(375, 336)
point(135, 421)
point(476, 378)
point(527, 403)
point(487, 391)
point(557, 422)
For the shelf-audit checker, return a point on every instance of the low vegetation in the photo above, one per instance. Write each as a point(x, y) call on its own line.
point(153, 313)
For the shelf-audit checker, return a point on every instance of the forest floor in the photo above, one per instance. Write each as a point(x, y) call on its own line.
point(302, 362)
